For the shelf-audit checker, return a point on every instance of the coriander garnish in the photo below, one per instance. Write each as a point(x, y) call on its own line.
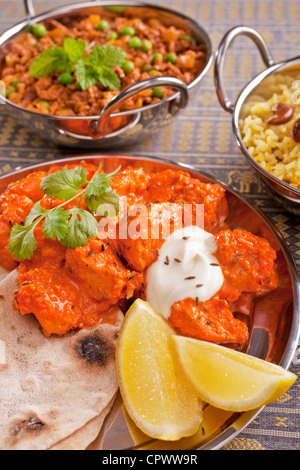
point(72, 227)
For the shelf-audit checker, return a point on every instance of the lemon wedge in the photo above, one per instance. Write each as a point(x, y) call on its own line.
point(156, 393)
point(229, 379)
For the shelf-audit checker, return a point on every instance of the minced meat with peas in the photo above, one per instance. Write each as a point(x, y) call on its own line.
point(75, 66)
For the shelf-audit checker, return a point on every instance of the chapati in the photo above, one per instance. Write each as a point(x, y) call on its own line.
point(51, 387)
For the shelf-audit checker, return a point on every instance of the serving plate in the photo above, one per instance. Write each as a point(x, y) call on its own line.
point(273, 337)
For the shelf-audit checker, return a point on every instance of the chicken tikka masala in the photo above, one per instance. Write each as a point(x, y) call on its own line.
point(67, 288)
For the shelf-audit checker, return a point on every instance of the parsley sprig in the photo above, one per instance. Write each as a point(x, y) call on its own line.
point(71, 227)
point(88, 69)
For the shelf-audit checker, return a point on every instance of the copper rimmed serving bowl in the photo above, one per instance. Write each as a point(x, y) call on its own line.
point(262, 86)
point(273, 336)
point(138, 123)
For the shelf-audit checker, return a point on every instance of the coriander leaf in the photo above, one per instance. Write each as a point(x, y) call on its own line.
point(86, 76)
point(22, 243)
point(106, 204)
point(35, 212)
point(108, 56)
point(98, 185)
point(48, 61)
point(55, 225)
point(92, 203)
point(81, 226)
point(108, 78)
point(71, 227)
point(74, 48)
point(88, 223)
point(82, 172)
point(64, 184)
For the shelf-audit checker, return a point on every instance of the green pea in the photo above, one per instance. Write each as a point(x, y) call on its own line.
point(65, 79)
point(158, 92)
point(135, 42)
point(45, 104)
point(103, 25)
point(128, 31)
point(186, 37)
point(38, 30)
point(155, 72)
point(157, 55)
point(112, 35)
point(146, 45)
point(128, 66)
point(172, 57)
point(146, 68)
point(10, 89)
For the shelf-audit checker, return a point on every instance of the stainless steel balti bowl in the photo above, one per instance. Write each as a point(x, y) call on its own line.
point(274, 323)
point(263, 85)
point(139, 122)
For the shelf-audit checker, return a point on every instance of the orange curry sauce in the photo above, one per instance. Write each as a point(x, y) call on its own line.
point(74, 288)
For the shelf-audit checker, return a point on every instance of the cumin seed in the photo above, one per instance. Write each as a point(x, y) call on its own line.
point(185, 238)
point(236, 259)
point(189, 277)
point(214, 264)
point(197, 300)
point(199, 285)
point(177, 260)
point(167, 260)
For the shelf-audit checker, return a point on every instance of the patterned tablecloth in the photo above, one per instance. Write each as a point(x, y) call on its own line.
point(202, 137)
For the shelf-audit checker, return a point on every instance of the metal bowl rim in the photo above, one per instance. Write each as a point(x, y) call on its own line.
point(17, 28)
point(242, 97)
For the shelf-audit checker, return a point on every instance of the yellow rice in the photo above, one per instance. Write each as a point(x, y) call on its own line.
point(272, 145)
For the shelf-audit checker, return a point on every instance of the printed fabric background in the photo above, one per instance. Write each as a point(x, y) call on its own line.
point(201, 136)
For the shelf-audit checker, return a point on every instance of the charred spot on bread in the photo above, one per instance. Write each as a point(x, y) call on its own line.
point(93, 349)
point(31, 425)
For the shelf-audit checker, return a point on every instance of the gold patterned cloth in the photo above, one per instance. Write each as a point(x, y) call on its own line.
point(202, 137)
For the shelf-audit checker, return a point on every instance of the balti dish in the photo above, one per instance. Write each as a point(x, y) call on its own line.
point(79, 284)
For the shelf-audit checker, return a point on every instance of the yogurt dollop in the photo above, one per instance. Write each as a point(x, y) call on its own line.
point(186, 267)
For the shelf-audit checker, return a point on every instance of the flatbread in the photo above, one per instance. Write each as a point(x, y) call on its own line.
point(51, 387)
point(83, 437)
point(107, 425)
point(3, 273)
